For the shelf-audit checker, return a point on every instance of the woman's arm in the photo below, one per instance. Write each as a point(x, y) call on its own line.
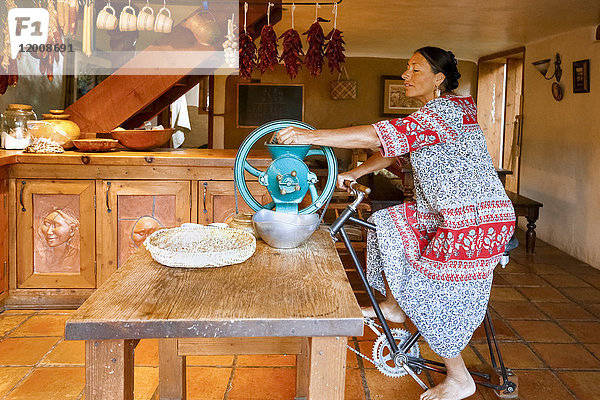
point(362, 137)
point(373, 163)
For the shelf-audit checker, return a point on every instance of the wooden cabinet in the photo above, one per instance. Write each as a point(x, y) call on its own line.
point(217, 200)
point(129, 211)
point(3, 234)
point(55, 238)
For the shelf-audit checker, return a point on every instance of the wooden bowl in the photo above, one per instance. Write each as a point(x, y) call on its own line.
point(140, 139)
point(95, 144)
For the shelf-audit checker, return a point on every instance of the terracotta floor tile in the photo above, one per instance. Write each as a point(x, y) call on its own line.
point(581, 270)
point(499, 280)
point(9, 376)
point(10, 322)
point(541, 331)
point(525, 280)
point(594, 348)
point(51, 383)
point(547, 269)
point(585, 331)
point(207, 383)
point(591, 279)
point(543, 294)
point(68, 352)
point(266, 360)
point(517, 310)
point(25, 351)
point(541, 385)
point(354, 387)
point(503, 331)
point(564, 310)
point(145, 382)
point(570, 356)
point(515, 355)
point(42, 325)
point(564, 281)
point(506, 294)
point(367, 349)
point(146, 352)
point(351, 357)
point(594, 308)
point(205, 361)
point(384, 388)
point(263, 384)
point(583, 384)
point(513, 267)
point(584, 295)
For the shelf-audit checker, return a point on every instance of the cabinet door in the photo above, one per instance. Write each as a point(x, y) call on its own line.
point(3, 234)
point(129, 211)
point(55, 234)
point(217, 200)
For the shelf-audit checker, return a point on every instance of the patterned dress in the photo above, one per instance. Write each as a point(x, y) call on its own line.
point(438, 253)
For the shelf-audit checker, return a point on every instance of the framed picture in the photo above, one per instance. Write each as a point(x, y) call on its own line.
point(394, 102)
point(581, 76)
point(258, 103)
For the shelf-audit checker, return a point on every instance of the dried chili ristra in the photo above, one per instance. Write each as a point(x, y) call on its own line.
point(267, 52)
point(247, 55)
point(3, 83)
point(292, 49)
point(314, 54)
point(334, 50)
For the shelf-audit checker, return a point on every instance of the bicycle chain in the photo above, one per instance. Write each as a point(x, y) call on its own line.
point(370, 323)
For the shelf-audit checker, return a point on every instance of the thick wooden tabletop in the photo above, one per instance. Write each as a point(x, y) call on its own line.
point(295, 292)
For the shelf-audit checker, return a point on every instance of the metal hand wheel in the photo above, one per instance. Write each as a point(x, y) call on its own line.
point(287, 178)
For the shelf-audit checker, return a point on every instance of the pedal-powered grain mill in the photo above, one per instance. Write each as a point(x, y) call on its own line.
point(288, 180)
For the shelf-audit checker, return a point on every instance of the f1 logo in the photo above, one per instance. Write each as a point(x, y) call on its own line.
point(27, 26)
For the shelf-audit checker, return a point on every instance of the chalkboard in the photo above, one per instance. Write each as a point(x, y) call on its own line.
point(261, 103)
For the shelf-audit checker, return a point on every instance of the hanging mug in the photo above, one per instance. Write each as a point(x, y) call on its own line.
point(127, 21)
point(107, 20)
point(145, 19)
point(163, 22)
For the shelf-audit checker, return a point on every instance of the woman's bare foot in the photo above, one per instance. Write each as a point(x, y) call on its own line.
point(457, 385)
point(391, 311)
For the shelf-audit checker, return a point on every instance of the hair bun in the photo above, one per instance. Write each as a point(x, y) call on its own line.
point(453, 57)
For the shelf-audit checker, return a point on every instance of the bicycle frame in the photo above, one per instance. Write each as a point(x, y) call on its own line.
point(413, 365)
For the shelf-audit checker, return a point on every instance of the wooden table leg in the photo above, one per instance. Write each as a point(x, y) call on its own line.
point(532, 216)
point(171, 371)
point(109, 369)
point(303, 370)
point(327, 372)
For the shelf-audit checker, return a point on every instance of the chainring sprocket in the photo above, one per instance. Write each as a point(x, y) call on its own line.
point(382, 353)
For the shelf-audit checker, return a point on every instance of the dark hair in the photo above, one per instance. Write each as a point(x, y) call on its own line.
point(442, 61)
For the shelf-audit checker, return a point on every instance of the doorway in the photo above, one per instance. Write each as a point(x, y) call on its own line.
point(499, 109)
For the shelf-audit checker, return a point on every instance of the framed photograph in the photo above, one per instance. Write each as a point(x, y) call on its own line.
point(258, 103)
point(581, 76)
point(394, 102)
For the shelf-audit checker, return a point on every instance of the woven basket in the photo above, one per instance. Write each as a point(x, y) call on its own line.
point(198, 246)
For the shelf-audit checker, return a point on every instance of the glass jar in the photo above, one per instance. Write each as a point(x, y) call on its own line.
point(13, 126)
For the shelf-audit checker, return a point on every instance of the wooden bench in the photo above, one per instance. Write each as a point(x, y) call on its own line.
point(530, 209)
point(295, 301)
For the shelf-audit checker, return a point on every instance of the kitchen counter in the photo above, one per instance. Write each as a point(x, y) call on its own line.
point(162, 157)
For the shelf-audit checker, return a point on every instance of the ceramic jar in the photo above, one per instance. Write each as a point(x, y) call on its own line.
point(13, 126)
point(65, 131)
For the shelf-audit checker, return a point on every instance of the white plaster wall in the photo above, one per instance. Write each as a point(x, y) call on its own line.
point(560, 164)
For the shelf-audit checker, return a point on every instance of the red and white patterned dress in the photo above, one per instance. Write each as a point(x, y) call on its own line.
point(438, 253)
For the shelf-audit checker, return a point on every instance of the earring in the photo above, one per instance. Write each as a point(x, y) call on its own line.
point(437, 93)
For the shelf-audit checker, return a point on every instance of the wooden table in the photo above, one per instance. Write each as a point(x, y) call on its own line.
point(295, 301)
point(530, 209)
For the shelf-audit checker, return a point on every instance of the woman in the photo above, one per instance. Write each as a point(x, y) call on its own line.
point(437, 254)
point(58, 251)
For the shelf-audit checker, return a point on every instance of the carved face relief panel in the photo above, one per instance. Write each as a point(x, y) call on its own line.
point(138, 217)
point(56, 221)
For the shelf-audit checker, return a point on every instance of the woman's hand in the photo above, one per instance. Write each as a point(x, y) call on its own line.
point(293, 135)
point(346, 176)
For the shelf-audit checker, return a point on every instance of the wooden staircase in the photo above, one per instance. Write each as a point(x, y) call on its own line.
point(129, 100)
